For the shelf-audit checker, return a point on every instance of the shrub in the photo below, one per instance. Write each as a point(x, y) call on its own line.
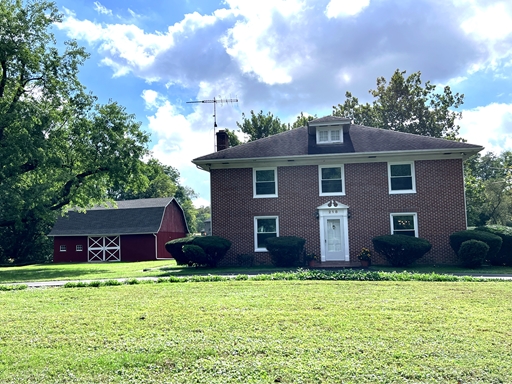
point(472, 253)
point(245, 260)
point(401, 250)
point(215, 248)
point(494, 242)
point(285, 251)
point(504, 255)
point(195, 254)
point(175, 248)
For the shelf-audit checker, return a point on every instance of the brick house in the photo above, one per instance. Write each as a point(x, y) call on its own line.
point(135, 230)
point(337, 185)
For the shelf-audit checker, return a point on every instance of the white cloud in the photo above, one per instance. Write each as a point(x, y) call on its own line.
point(341, 8)
point(491, 23)
point(489, 126)
point(102, 9)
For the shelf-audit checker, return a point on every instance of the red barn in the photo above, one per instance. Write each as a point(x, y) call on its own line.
point(136, 230)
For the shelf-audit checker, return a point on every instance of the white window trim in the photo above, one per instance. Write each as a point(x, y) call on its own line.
point(413, 176)
point(256, 249)
point(79, 248)
point(318, 130)
point(413, 214)
point(254, 182)
point(62, 248)
point(342, 193)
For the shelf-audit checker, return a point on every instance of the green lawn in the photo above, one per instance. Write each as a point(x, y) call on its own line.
point(259, 332)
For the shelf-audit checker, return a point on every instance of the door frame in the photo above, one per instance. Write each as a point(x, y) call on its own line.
point(334, 210)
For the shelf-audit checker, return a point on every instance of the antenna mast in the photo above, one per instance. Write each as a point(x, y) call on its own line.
point(214, 101)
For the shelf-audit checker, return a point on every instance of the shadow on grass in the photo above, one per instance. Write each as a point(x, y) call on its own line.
point(44, 272)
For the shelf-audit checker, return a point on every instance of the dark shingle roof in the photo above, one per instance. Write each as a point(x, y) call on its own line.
point(130, 217)
point(359, 139)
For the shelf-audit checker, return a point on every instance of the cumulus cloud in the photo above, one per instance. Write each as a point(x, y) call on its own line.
point(489, 126)
point(340, 8)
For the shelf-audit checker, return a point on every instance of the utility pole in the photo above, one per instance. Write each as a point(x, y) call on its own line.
point(214, 101)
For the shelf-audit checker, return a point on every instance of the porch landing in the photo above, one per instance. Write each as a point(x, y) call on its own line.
point(335, 264)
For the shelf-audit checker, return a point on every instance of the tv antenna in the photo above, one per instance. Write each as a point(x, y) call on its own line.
point(214, 101)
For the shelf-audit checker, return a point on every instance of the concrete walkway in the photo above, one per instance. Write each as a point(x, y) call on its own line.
point(60, 283)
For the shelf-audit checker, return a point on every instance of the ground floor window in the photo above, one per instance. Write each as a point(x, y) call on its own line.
point(79, 248)
point(62, 248)
point(264, 227)
point(404, 224)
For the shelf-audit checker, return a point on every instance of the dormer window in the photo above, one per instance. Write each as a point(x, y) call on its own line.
point(329, 135)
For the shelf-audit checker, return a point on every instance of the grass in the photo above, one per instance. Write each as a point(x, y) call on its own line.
point(259, 332)
point(163, 268)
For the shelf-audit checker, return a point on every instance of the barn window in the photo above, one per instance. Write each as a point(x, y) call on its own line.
point(63, 248)
point(79, 248)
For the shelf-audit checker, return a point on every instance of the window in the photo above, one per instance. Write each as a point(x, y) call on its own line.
point(265, 182)
point(79, 248)
point(331, 180)
point(62, 248)
point(328, 136)
point(404, 224)
point(265, 227)
point(401, 177)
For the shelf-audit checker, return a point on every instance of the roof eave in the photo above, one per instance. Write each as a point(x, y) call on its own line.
point(358, 157)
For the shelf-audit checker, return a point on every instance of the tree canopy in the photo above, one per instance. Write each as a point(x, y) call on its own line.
point(58, 146)
point(261, 125)
point(405, 104)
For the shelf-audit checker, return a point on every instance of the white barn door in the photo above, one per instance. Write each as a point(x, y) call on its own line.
point(104, 248)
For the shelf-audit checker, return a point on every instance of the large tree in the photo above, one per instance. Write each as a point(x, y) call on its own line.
point(405, 104)
point(59, 148)
point(261, 125)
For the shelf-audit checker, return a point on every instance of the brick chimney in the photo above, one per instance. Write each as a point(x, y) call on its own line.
point(222, 140)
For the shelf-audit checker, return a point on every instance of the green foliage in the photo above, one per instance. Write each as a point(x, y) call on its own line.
point(58, 147)
point(175, 248)
point(302, 120)
point(472, 253)
point(401, 250)
point(215, 248)
point(233, 138)
point(504, 256)
point(406, 105)
point(285, 251)
point(493, 241)
point(195, 254)
point(260, 125)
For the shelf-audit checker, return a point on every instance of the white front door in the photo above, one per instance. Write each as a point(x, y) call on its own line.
point(333, 239)
point(333, 217)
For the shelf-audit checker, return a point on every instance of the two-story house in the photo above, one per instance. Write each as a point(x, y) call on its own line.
point(337, 185)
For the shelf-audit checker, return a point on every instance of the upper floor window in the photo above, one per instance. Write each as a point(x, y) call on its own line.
point(264, 227)
point(331, 180)
point(404, 224)
point(401, 177)
point(328, 136)
point(265, 182)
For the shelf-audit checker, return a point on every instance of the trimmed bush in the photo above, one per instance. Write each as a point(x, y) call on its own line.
point(245, 260)
point(494, 242)
point(195, 254)
point(472, 253)
point(401, 250)
point(504, 255)
point(175, 248)
point(215, 248)
point(285, 251)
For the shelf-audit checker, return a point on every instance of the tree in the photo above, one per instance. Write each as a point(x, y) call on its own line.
point(406, 105)
point(302, 120)
point(58, 146)
point(233, 138)
point(261, 125)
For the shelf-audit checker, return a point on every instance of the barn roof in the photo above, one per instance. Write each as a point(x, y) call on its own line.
point(141, 216)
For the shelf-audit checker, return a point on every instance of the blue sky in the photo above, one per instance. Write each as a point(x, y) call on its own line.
point(286, 56)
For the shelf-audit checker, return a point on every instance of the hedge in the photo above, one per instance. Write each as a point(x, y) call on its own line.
point(285, 251)
point(504, 255)
point(401, 250)
point(493, 241)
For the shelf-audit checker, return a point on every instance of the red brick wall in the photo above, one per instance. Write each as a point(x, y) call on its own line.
point(438, 202)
